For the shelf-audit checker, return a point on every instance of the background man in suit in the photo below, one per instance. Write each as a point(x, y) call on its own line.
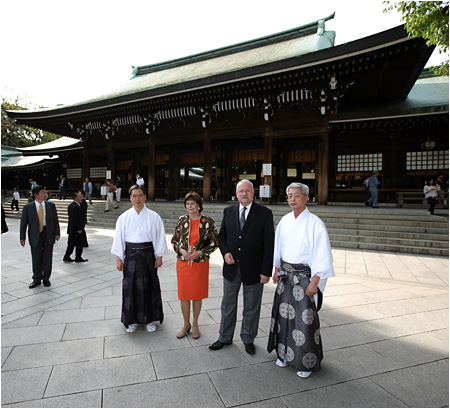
point(84, 209)
point(246, 241)
point(41, 219)
point(62, 188)
point(75, 230)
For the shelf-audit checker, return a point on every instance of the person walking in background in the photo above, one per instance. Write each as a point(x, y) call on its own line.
point(139, 245)
point(366, 185)
point(373, 189)
point(33, 184)
point(110, 197)
point(194, 239)
point(84, 209)
point(75, 230)
point(303, 262)
point(62, 188)
point(246, 243)
point(430, 190)
point(119, 183)
point(139, 180)
point(41, 219)
point(88, 190)
point(15, 200)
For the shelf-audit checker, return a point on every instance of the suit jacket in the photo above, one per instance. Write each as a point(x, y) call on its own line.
point(84, 207)
point(30, 219)
point(252, 249)
point(76, 218)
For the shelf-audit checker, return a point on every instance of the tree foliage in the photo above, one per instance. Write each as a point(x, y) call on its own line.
point(21, 136)
point(429, 20)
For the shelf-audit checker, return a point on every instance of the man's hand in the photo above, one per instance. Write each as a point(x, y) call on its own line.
point(228, 257)
point(119, 264)
point(275, 276)
point(57, 238)
point(158, 262)
point(264, 279)
point(22, 243)
point(311, 289)
point(79, 231)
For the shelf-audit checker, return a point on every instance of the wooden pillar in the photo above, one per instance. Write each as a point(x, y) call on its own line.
point(268, 155)
point(86, 167)
point(173, 174)
point(207, 168)
point(111, 160)
point(322, 183)
point(227, 174)
point(151, 186)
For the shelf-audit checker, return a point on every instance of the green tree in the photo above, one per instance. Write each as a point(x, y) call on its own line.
point(429, 20)
point(21, 136)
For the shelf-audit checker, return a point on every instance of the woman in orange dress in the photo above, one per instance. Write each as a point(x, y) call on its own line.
point(195, 238)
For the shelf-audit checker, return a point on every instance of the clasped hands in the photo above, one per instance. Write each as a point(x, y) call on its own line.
point(191, 256)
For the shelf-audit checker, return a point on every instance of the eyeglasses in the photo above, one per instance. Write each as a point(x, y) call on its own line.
point(137, 196)
point(190, 204)
point(295, 197)
point(245, 191)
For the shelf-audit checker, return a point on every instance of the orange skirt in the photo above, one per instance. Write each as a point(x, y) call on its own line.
point(193, 281)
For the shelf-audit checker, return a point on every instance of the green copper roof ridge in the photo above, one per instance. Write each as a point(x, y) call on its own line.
point(296, 32)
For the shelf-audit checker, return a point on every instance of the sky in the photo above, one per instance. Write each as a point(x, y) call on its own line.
point(60, 52)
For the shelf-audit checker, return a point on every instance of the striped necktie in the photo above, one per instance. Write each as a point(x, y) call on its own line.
point(41, 217)
point(242, 219)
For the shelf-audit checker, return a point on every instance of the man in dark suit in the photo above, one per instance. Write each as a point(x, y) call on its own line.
point(41, 219)
point(246, 241)
point(84, 208)
point(62, 188)
point(75, 229)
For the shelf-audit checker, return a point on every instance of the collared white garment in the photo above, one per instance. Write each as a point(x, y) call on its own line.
point(16, 196)
point(247, 210)
point(140, 181)
point(304, 240)
point(134, 227)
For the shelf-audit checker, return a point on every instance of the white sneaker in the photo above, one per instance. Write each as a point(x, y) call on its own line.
point(132, 327)
point(303, 374)
point(150, 327)
point(281, 363)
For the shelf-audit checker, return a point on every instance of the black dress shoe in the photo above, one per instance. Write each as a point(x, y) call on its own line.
point(68, 260)
point(47, 283)
point(34, 284)
point(80, 260)
point(250, 348)
point(218, 345)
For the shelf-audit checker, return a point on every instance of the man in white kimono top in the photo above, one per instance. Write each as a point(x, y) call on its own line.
point(303, 262)
point(140, 244)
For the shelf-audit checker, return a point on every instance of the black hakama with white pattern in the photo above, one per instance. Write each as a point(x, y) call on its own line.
point(295, 327)
point(141, 295)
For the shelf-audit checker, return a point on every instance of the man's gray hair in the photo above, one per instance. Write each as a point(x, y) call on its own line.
point(301, 186)
point(245, 180)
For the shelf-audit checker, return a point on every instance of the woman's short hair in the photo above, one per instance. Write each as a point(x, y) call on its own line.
point(196, 198)
point(301, 186)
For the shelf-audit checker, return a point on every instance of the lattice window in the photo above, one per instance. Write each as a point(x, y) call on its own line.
point(364, 162)
point(427, 160)
point(74, 173)
point(99, 172)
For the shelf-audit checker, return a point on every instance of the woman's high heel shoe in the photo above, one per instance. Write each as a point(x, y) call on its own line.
point(195, 332)
point(183, 333)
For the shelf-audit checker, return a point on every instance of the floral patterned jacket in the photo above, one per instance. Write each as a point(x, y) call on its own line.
point(207, 237)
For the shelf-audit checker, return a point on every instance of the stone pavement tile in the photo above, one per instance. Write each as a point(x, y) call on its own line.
point(171, 295)
point(261, 354)
point(7, 298)
point(115, 312)
point(357, 362)
point(195, 391)
point(32, 335)
point(78, 400)
point(69, 305)
point(197, 360)
point(141, 342)
point(268, 403)
point(419, 386)
point(16, 285)
point(100, 374)
point(53, 353)
point(77, 286)
point(5, 353)
point(334, 290)
point(441, 335)
point(412, 350)
point(100, 301)
point(361, 393)
point(382, 275)
point(28, 301)
point(19, 386)
point(76, 315)
point(93, 329)
point(259, 382)
point(26, 312)
point(343, 336)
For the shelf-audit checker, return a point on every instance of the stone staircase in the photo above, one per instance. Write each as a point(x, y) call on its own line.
point(349, 226)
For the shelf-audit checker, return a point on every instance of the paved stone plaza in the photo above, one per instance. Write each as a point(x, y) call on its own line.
point(384, 329)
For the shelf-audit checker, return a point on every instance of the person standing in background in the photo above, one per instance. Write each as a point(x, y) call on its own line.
point(119, 183)
point(88, 190)
point(62, 188)
point(15, 200)
point(110, 197)
point(75, 230)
